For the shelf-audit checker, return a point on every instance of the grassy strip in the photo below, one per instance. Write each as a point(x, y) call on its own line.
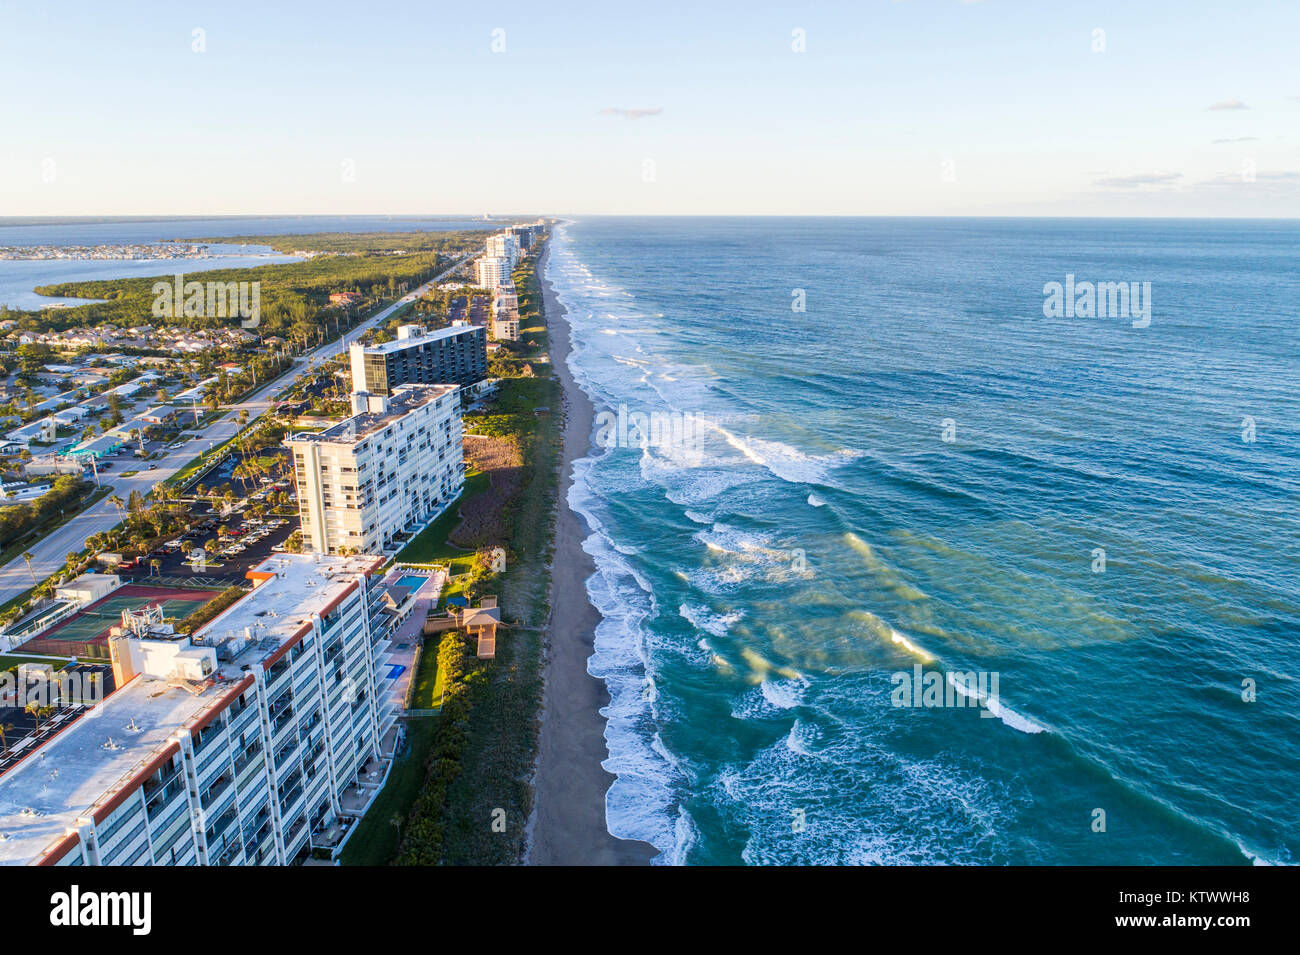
point(501, 740)
point(210, 609)
point(430, 545)
point(375, 840)
point(11, 661)
point(428, 684)
point(18, 548)
point(182, 477)
point(480, 757)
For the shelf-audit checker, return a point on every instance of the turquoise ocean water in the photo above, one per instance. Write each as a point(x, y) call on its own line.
point(922, 469)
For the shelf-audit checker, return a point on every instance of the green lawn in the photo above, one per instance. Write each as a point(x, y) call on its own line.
point(430, 545)
point(375, 840)
point(428, 680)
point(11, 661)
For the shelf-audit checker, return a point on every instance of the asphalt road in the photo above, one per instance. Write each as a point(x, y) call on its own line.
point(49, 554)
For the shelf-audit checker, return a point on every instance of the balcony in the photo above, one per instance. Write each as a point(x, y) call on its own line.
point(214, 791)
point(247, 755)
point(280, 719)
point(163, 793)
point(231, 853)
point(295, 833)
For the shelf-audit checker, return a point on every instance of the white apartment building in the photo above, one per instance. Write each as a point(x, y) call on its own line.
point(503, 245)
point(491, 271)
point(505, 302)
point(391, 467)
point(505, 329)
point(251, 743)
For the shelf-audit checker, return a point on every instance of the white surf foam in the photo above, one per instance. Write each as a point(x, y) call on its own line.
point(702, 618)
point(995, 706)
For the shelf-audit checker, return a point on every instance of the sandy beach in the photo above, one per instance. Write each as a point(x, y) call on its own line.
point(568, 821)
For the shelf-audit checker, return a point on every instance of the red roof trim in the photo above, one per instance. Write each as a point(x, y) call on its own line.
point(103, 811)
point(62, 848)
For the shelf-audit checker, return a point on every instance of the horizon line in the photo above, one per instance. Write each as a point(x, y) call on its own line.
point(7, 219)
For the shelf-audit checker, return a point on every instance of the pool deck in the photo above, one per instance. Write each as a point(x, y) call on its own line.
point(410, 633)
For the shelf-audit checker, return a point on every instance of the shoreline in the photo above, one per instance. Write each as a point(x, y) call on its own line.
point(567, 825)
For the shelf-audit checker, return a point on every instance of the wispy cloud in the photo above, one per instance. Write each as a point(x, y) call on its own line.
point(1228, 104)
point(1284, 181)
point(631, 113)
point(1237, 139)
point(1139, 180)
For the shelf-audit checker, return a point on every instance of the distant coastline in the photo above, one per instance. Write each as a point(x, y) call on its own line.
point(19, 277)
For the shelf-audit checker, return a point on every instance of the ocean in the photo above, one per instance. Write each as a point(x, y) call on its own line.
point(881, 459)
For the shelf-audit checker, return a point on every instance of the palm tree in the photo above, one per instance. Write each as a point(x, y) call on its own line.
point(120, 505)
point(5, 728)
point(155, 565)
point(38, 712)
point(27, 556)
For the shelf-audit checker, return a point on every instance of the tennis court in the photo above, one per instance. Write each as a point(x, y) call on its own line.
point(93, 623)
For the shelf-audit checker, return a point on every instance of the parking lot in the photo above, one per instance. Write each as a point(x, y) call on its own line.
point(243, 542)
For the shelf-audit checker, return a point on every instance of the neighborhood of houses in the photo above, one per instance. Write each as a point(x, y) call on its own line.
point(224, 760)
point(108, 337)
point(75, 426)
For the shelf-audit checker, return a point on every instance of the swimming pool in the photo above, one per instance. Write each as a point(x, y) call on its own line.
point(414, 581)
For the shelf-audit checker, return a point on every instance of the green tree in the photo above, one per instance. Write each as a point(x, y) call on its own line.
point(39, 713)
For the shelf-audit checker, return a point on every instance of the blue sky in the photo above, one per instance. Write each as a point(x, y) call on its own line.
point(921, 107)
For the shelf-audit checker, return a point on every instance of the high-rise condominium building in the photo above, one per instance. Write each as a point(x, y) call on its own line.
point(456, 355)
point(491, 271)
point(244, 744)
point(525, 234)
point(390, 467)
point(504, 245)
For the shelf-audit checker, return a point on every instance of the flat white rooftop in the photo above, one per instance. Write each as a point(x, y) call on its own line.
point(42, 797)
point(404, 343)
point(298, 586)
point(403, 400)
point(85, 764)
